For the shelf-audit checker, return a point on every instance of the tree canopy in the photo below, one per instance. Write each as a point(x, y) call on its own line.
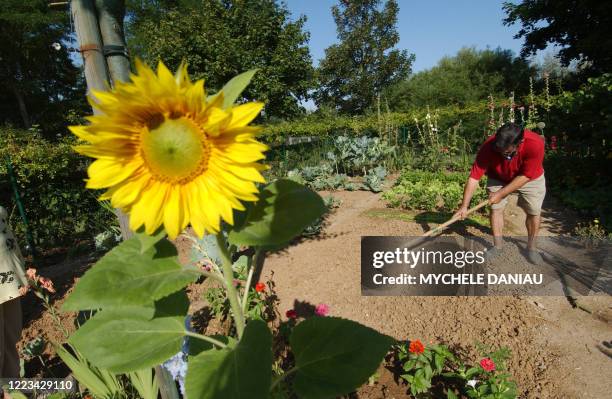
point(38, 82)
point(364, 62)
point(470, 75)
point(221, 38)
point(582, 28)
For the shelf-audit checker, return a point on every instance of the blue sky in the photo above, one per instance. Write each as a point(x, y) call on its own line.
point(430, 29)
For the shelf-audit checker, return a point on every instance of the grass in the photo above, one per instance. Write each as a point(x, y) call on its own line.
point(476, 220)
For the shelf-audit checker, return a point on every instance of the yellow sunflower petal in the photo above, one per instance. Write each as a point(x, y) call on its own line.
point(108, 172)
point(243, 114)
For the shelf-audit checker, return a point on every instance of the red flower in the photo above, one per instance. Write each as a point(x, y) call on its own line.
point(416, 347)
point(487, 364)
point(260, 287)
point(291, 314)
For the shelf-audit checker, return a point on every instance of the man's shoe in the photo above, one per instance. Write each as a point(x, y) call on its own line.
point(534, 257)
point(493, 253)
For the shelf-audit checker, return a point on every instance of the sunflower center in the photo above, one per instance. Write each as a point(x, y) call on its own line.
point(175, 150)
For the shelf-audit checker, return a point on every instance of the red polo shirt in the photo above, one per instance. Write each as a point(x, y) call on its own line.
point(527, 161)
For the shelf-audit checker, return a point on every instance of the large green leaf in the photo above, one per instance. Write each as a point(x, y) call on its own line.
point(134, 337)
point(233, 88)
point(285, 208)
point(148, 241)
point(334, 356)
point(243, 372)
point(126, 277)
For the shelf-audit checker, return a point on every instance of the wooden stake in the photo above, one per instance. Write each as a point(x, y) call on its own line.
point(110, 15)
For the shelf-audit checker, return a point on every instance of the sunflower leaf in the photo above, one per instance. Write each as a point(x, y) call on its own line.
point(285, 208)
point(125, 277)
point(148, 241)
point(232, 89)
point(244, 371)
point(333, 356)
point(134, 337)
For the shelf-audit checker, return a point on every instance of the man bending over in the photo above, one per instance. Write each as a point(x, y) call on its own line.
point(512, 160)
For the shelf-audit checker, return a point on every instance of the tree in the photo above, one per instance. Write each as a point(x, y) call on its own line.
point(38, 82)
point(364, 63)
point(222, 38)
point(470, 75)
point(583, 28)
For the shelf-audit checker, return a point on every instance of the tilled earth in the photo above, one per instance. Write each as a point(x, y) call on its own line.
point(558, 351)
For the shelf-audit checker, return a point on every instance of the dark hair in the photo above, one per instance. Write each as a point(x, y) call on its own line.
point(509, 134)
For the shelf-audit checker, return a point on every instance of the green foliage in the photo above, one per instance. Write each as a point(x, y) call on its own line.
point(242, 371)
point(430, 191)
point(317, 226)
point(129, 338)
point(219, 40)
point(128, 277)
point(354, 71)
point(273, 220)
point(323, 348)
point(420, 368)
point(353, 155)
point(375, 179)
point(49, 178)
point(39, 85)
point(469, 76)
point(582, 33)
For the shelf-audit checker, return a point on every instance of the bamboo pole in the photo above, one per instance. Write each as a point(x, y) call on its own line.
point(110, 14)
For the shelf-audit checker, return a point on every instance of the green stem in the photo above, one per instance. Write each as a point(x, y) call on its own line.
point(214, 276)
point(232, 294)
point(278, 379)
point(206, 338)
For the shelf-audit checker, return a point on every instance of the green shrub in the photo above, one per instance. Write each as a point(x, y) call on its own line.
point(430, 191)
point(49, 179)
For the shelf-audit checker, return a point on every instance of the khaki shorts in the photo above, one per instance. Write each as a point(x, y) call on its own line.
point(531, 195)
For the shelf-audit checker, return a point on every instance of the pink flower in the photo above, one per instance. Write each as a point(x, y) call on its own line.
point(46, 284)
point(31, 274)
point(291, 314)
point(236, 282)
point(487, 364)
point(322, 309)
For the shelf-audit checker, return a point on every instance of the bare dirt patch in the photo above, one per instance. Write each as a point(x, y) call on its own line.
point(553, 344)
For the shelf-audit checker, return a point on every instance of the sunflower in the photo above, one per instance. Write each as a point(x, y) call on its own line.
point(168, 154)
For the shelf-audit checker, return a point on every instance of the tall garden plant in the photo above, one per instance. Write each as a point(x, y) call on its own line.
point(170, 156)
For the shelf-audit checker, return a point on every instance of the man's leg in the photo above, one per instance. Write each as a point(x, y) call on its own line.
point(533, 227)
point(531, 197)
point(497, 225)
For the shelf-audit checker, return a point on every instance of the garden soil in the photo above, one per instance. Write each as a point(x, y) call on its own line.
point(558, 350)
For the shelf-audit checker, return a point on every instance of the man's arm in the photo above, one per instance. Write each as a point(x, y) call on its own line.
point(518, 182)
point(468, 192)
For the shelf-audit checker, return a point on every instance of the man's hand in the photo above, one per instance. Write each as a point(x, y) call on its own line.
point(496, 197)
point(461, 213)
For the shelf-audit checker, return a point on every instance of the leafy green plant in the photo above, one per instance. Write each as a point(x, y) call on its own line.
point(429, 191)
point(375, 179)
point(422, 363)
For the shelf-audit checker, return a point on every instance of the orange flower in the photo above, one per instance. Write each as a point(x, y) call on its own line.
point(260, 287)
point(416, 347)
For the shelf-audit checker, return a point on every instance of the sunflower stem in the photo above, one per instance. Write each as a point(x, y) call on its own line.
point(232, 293)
